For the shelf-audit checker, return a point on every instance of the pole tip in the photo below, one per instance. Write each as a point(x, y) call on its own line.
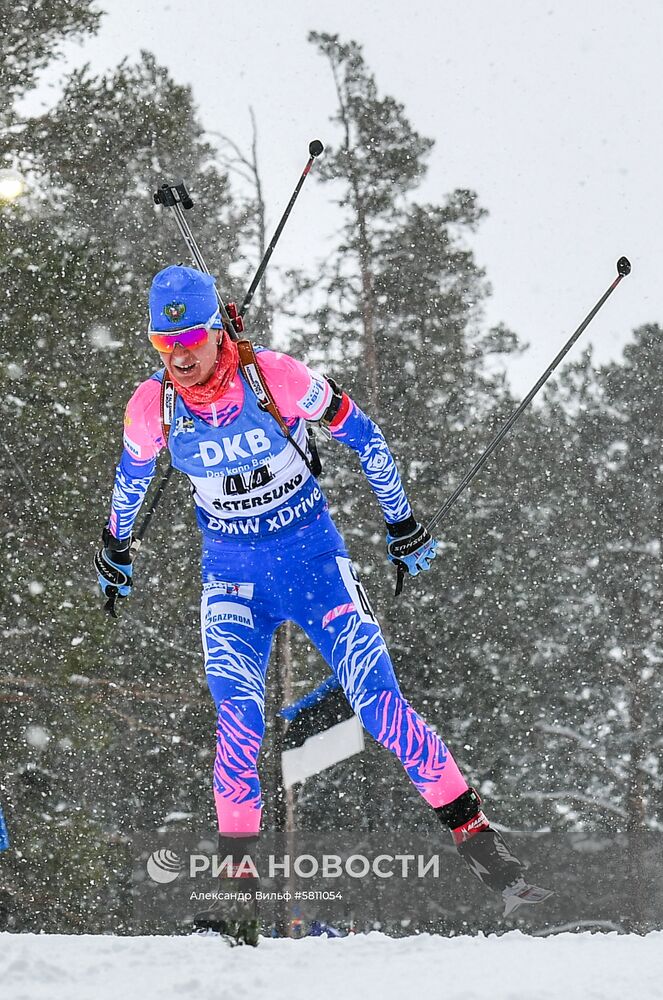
point(315, 147)
point(623, 266)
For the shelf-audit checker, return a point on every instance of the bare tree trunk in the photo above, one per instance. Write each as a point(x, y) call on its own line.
point(247, 168)
point(365, 258)
point(636, 822)
point(635, 796)
point(281, 802)
point(367, 311)
point(264, 317)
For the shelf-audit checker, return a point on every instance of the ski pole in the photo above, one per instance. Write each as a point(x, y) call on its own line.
point(4, 836)
point(315, 147)
point(623, 269)
point(177, 197)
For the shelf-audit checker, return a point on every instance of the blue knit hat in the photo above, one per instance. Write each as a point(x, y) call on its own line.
point(181, 297)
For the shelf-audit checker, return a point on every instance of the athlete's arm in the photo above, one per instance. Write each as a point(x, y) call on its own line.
point(409, 544)
point(300, 392)
point(143, 440)
point(351, 426)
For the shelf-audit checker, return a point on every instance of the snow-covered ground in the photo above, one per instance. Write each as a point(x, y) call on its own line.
point(512, 967)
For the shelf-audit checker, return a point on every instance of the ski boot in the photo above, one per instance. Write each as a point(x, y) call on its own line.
point(486, 854)
point(234, 914)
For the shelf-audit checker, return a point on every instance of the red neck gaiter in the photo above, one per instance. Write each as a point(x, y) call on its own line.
point(223, 374)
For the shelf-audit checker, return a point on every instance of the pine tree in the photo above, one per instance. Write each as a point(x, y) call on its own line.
point(603, 697)
point(400, 304)
point(31, 39)
point(105, 730)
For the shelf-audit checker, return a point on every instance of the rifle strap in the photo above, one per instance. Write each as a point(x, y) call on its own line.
point(248, 363)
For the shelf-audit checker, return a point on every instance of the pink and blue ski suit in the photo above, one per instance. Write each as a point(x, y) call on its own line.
point(271, 552)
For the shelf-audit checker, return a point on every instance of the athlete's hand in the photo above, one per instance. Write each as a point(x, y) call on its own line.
point(113, 565)
point(410, 546)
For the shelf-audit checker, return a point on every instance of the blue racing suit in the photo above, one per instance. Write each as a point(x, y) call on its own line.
point(272, 553)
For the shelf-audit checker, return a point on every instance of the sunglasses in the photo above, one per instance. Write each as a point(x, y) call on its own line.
point(189, 338)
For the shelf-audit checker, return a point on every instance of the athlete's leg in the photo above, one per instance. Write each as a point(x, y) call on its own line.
point(332, 607)
point(237, 629)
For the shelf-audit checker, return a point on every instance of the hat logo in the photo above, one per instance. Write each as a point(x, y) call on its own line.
point(174, 311)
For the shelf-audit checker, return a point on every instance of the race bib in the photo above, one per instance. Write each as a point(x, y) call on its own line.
point(355, 590)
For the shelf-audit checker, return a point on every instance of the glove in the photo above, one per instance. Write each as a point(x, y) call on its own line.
point(113, 565)
point(409, 546)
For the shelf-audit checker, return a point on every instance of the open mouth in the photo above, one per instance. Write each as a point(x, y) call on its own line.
point(185, 369)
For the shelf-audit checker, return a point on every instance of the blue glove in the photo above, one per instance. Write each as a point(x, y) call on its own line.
point(113, 565)
point(410, 547)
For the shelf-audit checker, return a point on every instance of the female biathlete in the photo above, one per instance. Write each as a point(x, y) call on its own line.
point(271, 553)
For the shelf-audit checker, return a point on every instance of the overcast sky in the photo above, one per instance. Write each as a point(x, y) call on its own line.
point(552, 112)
